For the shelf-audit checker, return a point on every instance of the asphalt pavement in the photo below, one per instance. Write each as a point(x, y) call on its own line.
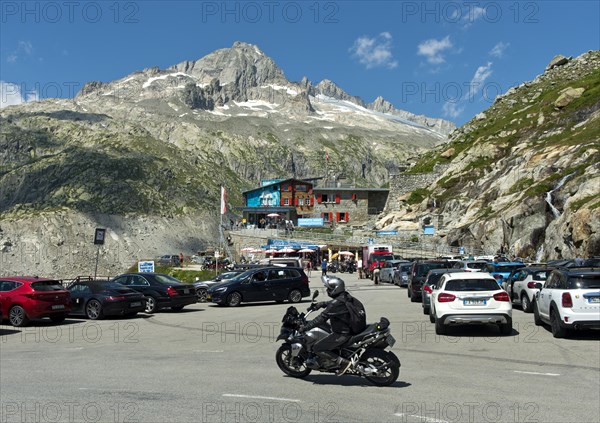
point(217, 364)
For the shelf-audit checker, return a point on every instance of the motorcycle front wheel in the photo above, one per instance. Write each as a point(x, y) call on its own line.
point(289, 365)
point(388, 368)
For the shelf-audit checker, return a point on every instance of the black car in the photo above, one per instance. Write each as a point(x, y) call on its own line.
point(418, 273)
point(201, 287)
point(262, 284)
point(96, 299)
point(161, 291)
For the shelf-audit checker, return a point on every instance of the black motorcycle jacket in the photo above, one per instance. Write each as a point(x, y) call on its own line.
point(337, 314)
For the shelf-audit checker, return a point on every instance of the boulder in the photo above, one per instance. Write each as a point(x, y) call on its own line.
point(567, 96)
point(558, 60)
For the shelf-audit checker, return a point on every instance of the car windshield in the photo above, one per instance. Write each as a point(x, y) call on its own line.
point(539, 276)
point(433, 278)
point(243, 275)
point(584, 282)
point(47, 286)
point(477, 265)
point(405, 267)
point(166, 279)
point(460, 285)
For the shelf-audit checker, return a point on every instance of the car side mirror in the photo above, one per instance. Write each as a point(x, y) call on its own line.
point(315, 294)
point(539, 286)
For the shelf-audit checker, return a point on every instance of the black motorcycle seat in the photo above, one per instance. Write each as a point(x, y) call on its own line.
point(359, 337)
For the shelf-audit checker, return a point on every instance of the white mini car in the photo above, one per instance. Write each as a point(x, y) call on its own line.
point(569, 300)
point(470, 298)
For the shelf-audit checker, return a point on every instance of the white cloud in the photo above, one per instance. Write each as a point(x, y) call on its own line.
point(24, 48)
point(481, 75)
point(432, 49)
point(498, 50)
point(455, 107)
point(10, 95)
point(375, 52)
point(452, 109)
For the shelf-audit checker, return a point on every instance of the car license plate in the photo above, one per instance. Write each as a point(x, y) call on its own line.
point(594, 300)
point(58, 307)
point(136, 304)
point(209, 297)
point(473, 302)
point(186, 291)
point(391, 340)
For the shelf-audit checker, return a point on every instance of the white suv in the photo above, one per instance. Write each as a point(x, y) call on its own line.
point(470, 298)
point(521, 285)
point(569, 300)
point(471, 265)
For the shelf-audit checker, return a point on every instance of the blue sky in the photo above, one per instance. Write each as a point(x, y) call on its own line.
point(442, 59)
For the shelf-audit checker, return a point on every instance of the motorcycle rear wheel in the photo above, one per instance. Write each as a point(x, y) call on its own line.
point(389, 374)
point(284, 361)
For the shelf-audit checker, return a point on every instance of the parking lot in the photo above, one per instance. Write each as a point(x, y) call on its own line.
point(217, 364)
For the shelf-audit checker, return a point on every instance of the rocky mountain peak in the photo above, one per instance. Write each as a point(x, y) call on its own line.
point(381, 105)
point(330, 89)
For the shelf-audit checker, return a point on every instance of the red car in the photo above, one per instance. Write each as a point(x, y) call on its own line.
point(25, 298)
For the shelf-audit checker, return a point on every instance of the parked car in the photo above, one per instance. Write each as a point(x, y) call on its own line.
point(431, 280)
point(168, 260)
point(417, 275)
point(470, 298)
point(26, 298)
point(471, 265)
point(262, 284)
point(96, 299)
point(570, 300)
point(521, 285)
point(161, 291)
point(201, 287)
point(388, 270)
point(401, 273)
point(501, 271)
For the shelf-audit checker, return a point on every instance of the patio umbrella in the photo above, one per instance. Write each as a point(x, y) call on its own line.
point(270, 251)
point(287, 250)
point(306, 250)
point(257, 250)
point(345, 253)
point(247, 250)
point(273, 215)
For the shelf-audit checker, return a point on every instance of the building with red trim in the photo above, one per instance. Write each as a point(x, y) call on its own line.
point(335, 202)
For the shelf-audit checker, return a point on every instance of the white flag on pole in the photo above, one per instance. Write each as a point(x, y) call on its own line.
point(223, 198)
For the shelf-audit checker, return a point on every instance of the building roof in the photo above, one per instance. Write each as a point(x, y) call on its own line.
point(354, 189)
point(283, 181)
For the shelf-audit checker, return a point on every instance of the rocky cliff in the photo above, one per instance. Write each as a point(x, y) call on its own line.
point(523, 175)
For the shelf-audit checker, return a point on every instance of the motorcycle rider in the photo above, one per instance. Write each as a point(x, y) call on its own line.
point(337, 313)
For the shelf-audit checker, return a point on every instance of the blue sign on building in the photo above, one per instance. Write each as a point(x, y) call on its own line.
point(315, 221)
point(387, 233)
point(428, 230)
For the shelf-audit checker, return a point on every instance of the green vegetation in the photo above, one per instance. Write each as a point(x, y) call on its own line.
point(521, 185)
point(576, 205)
point(185, 276)
point(418, 196)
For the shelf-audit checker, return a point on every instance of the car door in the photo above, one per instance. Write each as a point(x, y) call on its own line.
point(7, 299)
point(139, 283)
point(545, 296)
point(257, 288)
point(279, 283)
point(515, 284)
point(77, 298)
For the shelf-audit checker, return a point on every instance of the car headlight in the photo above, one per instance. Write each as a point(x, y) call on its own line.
point(219, 290)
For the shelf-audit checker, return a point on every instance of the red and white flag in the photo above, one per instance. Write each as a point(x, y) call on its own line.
point(223, 198)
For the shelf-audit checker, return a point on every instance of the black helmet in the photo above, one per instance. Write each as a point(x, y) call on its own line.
point(335, 286)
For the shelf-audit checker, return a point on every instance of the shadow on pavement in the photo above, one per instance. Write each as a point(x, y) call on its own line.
point(326, 379)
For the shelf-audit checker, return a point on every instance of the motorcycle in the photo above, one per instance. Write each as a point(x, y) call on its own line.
point(332, 267)
point(366, 350)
